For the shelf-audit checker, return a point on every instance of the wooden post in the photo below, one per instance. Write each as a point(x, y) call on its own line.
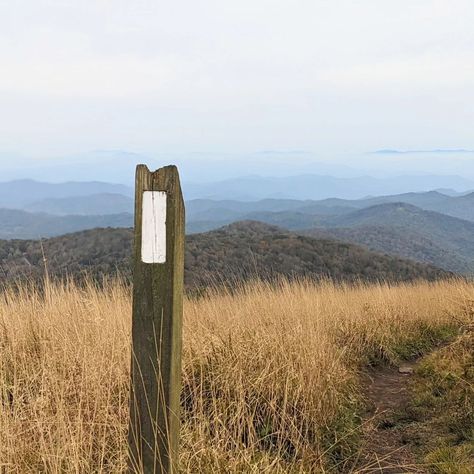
point(158, 275)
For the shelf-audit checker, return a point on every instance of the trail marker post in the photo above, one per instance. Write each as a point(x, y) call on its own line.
point(158, 274)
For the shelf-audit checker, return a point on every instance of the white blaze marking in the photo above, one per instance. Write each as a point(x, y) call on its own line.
point(154, 227)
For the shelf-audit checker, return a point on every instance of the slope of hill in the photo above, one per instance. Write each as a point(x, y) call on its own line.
point(461, 206)
point(251, 248)
point(210, 210)
point(206, 214)
point(399, 242)
point(430, 200)
point(94, 204)
point(198, 206)
point(290, 220)
point(17, 224)
point(410, 218)
point(342, 213)
point(99, 252)
point(241, 250)
point(405, 230)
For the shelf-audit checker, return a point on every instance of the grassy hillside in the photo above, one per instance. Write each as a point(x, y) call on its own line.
point(271, 375)
point(239, 251)
point(441, 414)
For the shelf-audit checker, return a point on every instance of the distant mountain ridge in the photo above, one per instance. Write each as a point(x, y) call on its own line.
point(17, 194)
point(118, 165)
point(94, 204)
point(17, 224)
point(394, 228)
point(432, 227)
point(388, 151)
point(461, 206)
point(317, 187)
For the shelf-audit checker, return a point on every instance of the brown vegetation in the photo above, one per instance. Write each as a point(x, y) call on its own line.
point(271, 375)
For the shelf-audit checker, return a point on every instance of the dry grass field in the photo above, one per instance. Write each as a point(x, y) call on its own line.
point(271, 375)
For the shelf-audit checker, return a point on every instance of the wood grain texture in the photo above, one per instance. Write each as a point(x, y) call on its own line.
point(157, 333)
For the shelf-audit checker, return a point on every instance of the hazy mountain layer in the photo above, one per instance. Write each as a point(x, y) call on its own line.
point(18, 194)
point(209, 210)
point(392, 228)
point(21, 193)
point(94, 204)
point(16, 224)
point(319, 187)
point(431, 227)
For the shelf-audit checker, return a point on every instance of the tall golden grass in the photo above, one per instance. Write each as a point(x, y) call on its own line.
point(270, 373)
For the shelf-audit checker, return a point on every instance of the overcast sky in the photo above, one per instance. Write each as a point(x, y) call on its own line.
point(327, 76)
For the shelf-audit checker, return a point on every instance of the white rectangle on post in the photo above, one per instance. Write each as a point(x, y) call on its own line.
point(154, 227)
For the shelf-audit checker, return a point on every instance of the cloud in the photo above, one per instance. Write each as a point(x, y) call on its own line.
point(312, 74)
point(410, 152)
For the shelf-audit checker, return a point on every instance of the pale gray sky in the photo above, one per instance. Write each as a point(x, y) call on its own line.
point(327, 76)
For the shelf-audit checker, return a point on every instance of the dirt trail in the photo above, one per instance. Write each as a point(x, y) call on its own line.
point(384, 448)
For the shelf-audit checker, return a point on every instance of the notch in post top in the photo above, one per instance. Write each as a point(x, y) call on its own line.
point(154, 227)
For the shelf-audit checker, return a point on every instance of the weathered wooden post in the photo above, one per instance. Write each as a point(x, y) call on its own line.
point(158, 273)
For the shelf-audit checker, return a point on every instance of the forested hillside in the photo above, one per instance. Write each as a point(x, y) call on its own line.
point(240, 251)
point(400, 242)
point(407, 231)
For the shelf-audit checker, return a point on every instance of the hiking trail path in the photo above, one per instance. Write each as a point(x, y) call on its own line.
point(384, 449)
